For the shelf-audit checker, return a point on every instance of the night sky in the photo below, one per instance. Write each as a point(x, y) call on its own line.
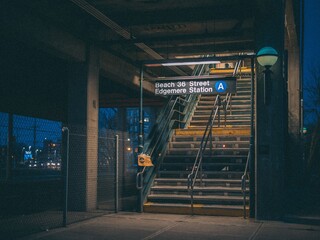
point(311, 55)
point(312, 36)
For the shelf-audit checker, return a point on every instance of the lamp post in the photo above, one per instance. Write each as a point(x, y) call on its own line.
point(22, 155)
point(267, 57)
point(36, 154)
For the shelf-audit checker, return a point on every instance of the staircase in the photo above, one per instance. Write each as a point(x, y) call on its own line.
point(219, 192)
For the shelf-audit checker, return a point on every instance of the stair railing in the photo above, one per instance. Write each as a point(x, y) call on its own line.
point(192, 177)
point(162, 131)
point(226, 103)
point(157, 143)
point(139, 186)
point(244, 179)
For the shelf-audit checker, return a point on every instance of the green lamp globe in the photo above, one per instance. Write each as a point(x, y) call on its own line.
point(267, 56)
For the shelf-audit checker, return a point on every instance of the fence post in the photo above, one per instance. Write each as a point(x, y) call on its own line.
point(65, 130)
point(10, 159)
point(116, 187)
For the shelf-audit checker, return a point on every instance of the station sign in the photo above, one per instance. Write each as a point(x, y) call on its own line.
point(196, 86)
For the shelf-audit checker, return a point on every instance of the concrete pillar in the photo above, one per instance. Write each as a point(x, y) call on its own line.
point(83, 100)
point(296, 165)
point(270, 119)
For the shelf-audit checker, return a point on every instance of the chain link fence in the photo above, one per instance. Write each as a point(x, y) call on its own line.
point(51, 178)
point(31, 179)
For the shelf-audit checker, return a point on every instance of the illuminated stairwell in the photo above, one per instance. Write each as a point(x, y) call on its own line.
point(220, 190)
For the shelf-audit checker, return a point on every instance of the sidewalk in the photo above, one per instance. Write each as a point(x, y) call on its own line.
point(145, 226)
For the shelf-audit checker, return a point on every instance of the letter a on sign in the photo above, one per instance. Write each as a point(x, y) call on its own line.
point(221, 86)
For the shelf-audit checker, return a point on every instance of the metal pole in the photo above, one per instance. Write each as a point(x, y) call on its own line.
point(225, 112)
point(65, 207)
point(211, 133)
point(139, 186)
point(141, 192)
point(230, 104)
point(192, 199)
point(219, 104)
point(140, 145)
point(140, 148)
point(252, 158)
point(244, 203)
point(116, 187)
point(301, 117)
point(10, 159)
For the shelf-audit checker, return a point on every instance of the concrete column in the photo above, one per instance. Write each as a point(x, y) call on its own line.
point(92, 127)
point(83, 100)
point(270, 119)
point(296, 165)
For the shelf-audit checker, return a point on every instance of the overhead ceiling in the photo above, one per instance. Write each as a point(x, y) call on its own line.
point(138, 30)
point(155, 29)
point(134, 30)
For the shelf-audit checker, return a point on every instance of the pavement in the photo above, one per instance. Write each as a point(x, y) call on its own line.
point(145, 226)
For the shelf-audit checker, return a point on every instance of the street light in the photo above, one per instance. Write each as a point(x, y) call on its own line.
point(267, 57)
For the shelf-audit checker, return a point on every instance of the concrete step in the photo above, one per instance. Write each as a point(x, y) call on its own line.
point(210, 152)
point(213, 97)
point(198, 199)
point(232, 111)
point(206, 174)
point(203, 117)
point(229, 121)
point(205, 182)
point(221, 125)
point(218, 158)
point(213, 150)
point(215, 144)
point(198, 191)
point(218, 166)
point(202, 124)
point(198, 209)
point(237, 110)
point(216, 131)
point(234, 107)
point(233, 102)
point(216, 139)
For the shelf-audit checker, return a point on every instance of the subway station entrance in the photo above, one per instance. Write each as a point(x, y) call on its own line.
point(203, 142)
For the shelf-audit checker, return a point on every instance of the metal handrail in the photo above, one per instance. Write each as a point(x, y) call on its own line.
point(198, 161)
point(163, 116)
point(228, 102)
point(246, 175)
point(163, 129)
point(139, 186)
point(169, 118)
point(160, 136)
point(225, 103)
point(139, 179)
point(244, 178)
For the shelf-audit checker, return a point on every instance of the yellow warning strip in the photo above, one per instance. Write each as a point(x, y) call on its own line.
point(229, 70)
